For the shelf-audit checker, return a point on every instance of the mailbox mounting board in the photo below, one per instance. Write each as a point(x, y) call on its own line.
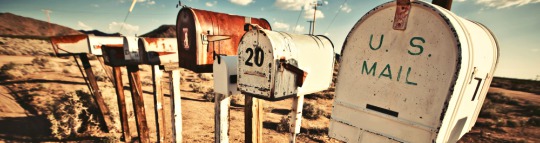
point(425, 83)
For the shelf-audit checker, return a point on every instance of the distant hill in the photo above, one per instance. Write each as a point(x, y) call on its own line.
point(99, 33)
point(163, 31)
point(20, 26)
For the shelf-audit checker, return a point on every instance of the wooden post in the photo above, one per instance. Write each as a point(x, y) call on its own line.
point(98, 98)
point(121, 103)
point(253, 110)
point(138, 103)
point(176, 105)
point(296, 120)
point(221, 118)
point(443, 3)
point(158, 103)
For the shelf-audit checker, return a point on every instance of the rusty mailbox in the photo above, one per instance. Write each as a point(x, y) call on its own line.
point(124, 54)
point(412, 72)
point(276, 65)
point(79, 44)
point(225, 75)
point(203, 35)
point(159, 51)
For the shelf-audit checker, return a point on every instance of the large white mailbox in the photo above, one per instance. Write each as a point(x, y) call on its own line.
point(79, 44)
point(225, 77)
point(412, 72)
point(276, 65)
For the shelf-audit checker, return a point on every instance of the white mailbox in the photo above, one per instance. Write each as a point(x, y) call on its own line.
point(412, 72)
point(225, 77)
point(159, 51)
point(79, 44)
point(276, 65)
point(132, 53)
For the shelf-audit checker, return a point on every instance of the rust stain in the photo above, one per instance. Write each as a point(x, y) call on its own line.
point(255, 73)
point(114, 45)
point(152, 40)
point(165, 53)
point(68, 39)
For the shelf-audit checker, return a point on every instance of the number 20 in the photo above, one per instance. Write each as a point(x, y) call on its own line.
point(259, 56)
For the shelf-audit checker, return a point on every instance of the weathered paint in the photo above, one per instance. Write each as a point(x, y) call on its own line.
point(276, 65)
point(113, 54)
point(159, 51)
point(412, 85)
point(225, 75)
point(78, 44)
point(196, 30)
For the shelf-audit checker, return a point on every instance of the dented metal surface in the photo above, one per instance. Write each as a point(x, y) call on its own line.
point(77, 44)
point(425, 83)
point(159, 51)
point(278, 65)
point(202, 35)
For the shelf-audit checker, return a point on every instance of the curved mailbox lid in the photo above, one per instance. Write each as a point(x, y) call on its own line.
point(225, 75)
point(95, 42)
point(277, 65)
point(78, 44)
point(159, 51)
point(201, 33)
point(410, 85)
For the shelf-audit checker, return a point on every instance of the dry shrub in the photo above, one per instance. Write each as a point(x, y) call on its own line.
point(311, 111)
point(14, 70)
point(284, 124)
point(237, 99)
point(534, 121)
point(101, 76)
point(41, 61)
point(210, 96)
point(72, 115)
point(147, 81)
point(205, 76)
point(498, 97)
point(198, 88)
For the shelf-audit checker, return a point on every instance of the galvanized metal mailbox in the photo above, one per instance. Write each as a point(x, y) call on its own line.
point(225, 77)
point(79, 44)
point(277, 65)
point(159, 51)
point(122, 54)
point(412, 72)
point(202, 35)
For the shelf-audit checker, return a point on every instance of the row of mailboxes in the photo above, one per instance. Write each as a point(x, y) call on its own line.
point(142, 50)
point(203, 35)
point(80, 44)
point(412, 72)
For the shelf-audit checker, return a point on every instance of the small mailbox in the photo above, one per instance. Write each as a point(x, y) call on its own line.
point(225, 77)
point(79, 44)
point(412, 72)
point(159, 51)
point(123, 54)
point(276, 65)
point(202, 35)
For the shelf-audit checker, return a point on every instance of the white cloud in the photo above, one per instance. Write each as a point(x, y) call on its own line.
point(535, 50)
point(211, 4)
point(95, 5)
point(293, 4)
point(262, 8)
point(326, 34)
point(299, 29)
point(325, 2)
point(308, 14)
point(241, 2)
point(127, 30)
point(282, 26)
point(141, 0)
point(345, 8)
point(151, 2)
point(84, 26)
point(500, 4)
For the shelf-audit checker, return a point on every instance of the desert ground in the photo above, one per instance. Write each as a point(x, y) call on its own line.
point(44, 98)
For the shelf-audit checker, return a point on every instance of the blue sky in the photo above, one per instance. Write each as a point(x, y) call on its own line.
point(514, 22)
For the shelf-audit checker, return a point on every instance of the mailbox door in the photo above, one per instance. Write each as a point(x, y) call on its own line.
point(256, 65)
point(113, 54)
point(72, 44)
point(95, 43)
point(132, 54)
point(397, 82)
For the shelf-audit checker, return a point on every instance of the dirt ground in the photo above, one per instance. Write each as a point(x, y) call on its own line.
point(25, 106)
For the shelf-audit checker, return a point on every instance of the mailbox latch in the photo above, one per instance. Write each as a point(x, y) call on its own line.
point(403, 8)
point(300, 74)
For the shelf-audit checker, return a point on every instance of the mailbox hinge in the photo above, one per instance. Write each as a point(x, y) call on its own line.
point(300, 74)
point(403, 8)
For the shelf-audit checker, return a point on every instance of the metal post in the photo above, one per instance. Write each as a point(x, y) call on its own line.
point(157, 74)
point(221, 118)
point(138, 103)
point(121, 103)
point(98, 98)
point(296, 120)
point(253, 114)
